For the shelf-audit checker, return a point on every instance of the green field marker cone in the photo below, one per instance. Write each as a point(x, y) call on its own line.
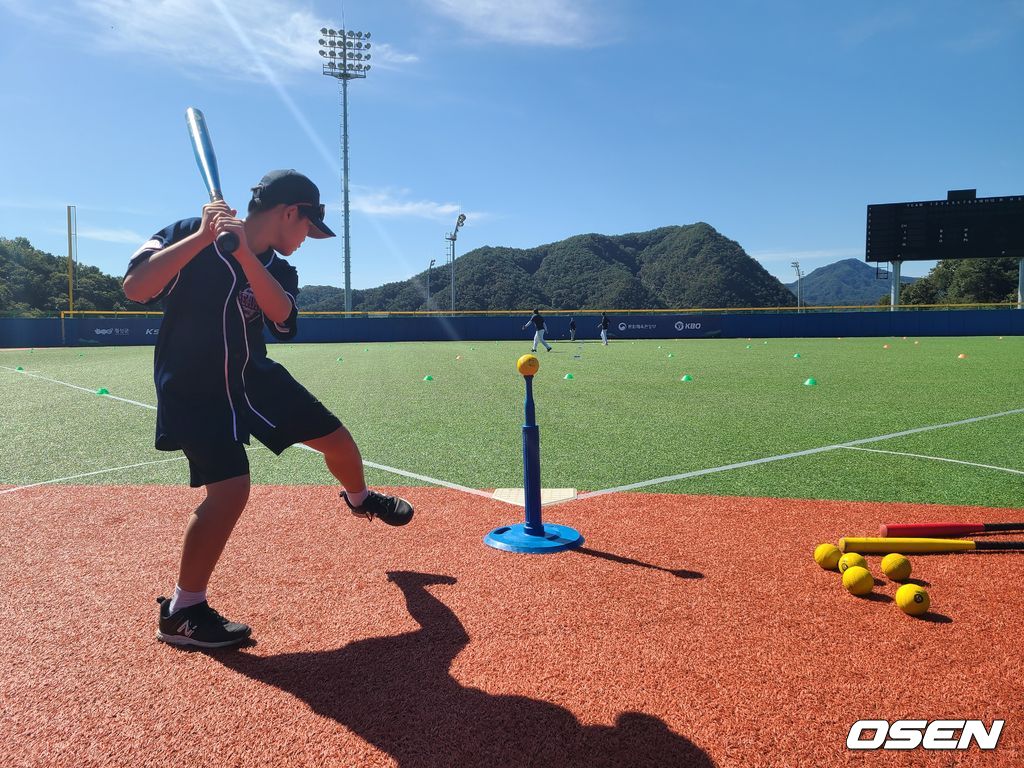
point(569, 376)
point(341, 359)
point(766, 342)
point(428, 377)
point(19, 368)
point(811, 383)
point(686, 377)
point(796, 356)
point(670, 354)
point(749, 346)
point(102, 391)
point(366, 349)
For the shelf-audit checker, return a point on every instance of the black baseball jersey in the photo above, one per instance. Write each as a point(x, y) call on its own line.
point(538, 321)
point(213, 378)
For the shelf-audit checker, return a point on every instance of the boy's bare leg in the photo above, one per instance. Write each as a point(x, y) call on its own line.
point(208, 531)
point(341, 454)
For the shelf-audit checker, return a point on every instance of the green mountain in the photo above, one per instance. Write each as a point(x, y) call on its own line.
point(846, 283)
point(680, 266)
point(35, 284)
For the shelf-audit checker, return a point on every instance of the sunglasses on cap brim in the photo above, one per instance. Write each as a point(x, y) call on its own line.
point(313, 211)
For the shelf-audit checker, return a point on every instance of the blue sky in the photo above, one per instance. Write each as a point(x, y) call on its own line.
point(776, 123)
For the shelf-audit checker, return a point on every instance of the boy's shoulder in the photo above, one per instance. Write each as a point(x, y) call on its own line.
point(179, 230)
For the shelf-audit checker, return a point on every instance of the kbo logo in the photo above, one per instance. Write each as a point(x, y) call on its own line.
point(911, 734)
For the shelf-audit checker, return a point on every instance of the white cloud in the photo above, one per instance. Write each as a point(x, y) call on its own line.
point(397, 204)
point(387, 56)
point(110, 235)
point(566, 23)
point(202, 36)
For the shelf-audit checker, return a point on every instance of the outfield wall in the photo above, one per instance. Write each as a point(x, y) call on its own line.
point(81, 331)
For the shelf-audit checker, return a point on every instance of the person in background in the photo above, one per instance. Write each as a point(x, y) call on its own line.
point(538, 334)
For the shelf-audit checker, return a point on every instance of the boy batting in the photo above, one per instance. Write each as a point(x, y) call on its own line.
point(216, 387)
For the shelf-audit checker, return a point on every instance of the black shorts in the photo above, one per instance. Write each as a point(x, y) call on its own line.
point(299, 417)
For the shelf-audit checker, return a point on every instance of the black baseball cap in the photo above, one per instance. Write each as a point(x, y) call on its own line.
point(289, 187)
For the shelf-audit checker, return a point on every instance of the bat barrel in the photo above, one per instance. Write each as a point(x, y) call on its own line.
point(202, 147)
point(930, 530)
point(905, 546)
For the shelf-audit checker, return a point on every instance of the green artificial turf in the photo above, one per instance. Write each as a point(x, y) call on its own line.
point(624, 417)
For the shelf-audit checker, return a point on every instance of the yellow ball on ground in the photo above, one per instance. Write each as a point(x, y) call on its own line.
point(528, 365)
point(851, 559)
point(912, 599)
point(827, 556)
point(896, 567)
point(858, 580)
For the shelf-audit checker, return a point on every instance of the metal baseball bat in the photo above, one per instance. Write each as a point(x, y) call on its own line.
point(202, 145)
point(906, 546)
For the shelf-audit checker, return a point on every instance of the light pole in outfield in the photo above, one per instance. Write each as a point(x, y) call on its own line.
point(345, 55)
point(430, 267)
point(799, 278)
point(451, 238)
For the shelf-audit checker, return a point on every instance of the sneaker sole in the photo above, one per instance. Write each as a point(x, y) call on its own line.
point(180, 640)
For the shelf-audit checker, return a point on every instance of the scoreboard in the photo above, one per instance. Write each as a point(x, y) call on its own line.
point(961, 227)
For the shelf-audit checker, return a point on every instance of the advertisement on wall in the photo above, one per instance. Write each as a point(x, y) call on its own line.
point(665, 327)
point(108, 332)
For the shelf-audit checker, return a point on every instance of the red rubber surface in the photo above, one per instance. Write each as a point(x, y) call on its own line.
point(691, 631)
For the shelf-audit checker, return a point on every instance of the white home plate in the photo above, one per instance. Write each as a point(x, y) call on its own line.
point(547, 495)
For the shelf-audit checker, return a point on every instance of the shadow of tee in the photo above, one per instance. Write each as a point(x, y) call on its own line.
point(397, 693)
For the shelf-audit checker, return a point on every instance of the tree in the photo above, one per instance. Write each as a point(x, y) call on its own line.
point(965, 281)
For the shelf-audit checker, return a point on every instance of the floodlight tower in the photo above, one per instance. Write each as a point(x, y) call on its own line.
point(799, 278)
point(451, 238)
point(345, 54)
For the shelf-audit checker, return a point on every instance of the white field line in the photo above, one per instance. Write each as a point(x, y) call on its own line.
point(937, 458)
point(99, 472)
point(795, 454)
point(75, 386)
point(383, 467)
point(403, 473)
point(87, 474)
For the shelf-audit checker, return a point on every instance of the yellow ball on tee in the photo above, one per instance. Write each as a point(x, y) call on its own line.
point(528, 365)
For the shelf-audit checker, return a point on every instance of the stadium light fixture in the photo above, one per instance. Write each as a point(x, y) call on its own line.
point(430, 268)
point(344, 64)
point(451, 238)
